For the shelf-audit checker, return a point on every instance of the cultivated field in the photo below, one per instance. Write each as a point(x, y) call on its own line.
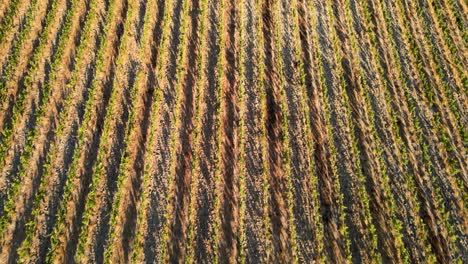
point(254, 131)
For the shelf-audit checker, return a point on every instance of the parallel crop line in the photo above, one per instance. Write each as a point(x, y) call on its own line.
point(82, 140)
point(437, 233)
point(405, 147)
point(305, 85)
point(97, 190)
point(217, 225)
point(417, 52)
point(228, 124)
point(385, 117)
point(443, 102)
point(291, 247)
point(195, 168)
point(242, 170)
point(264, 142)
point(13, 58)
point(351, 88)
point(43, 190)
point(18, 111)
point(125, 173)
point(18, 181)
point(138, 250)
point(6, 23)
point(329, 181)
point(171, 210)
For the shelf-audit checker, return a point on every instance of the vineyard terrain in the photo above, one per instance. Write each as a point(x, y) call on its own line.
point(228, 131)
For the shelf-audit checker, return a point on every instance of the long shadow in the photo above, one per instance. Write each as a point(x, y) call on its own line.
point(329, 209)
point(205, 195)
point(394, 172)
point(144, 123)
point(453, 155)
point(154, 219)
point(254, 160)
point(141, 20)
point(301, 189)
point(30, 116)
point(168, 91)
point(19, 233)
point(117, 144)
point(185, 152)
point(230, 195)
point(42, 158)
point(94, 143)
point(349, 183)
point(138, 165)
point(7, 65)
point(275, 135)
point(425, 191)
